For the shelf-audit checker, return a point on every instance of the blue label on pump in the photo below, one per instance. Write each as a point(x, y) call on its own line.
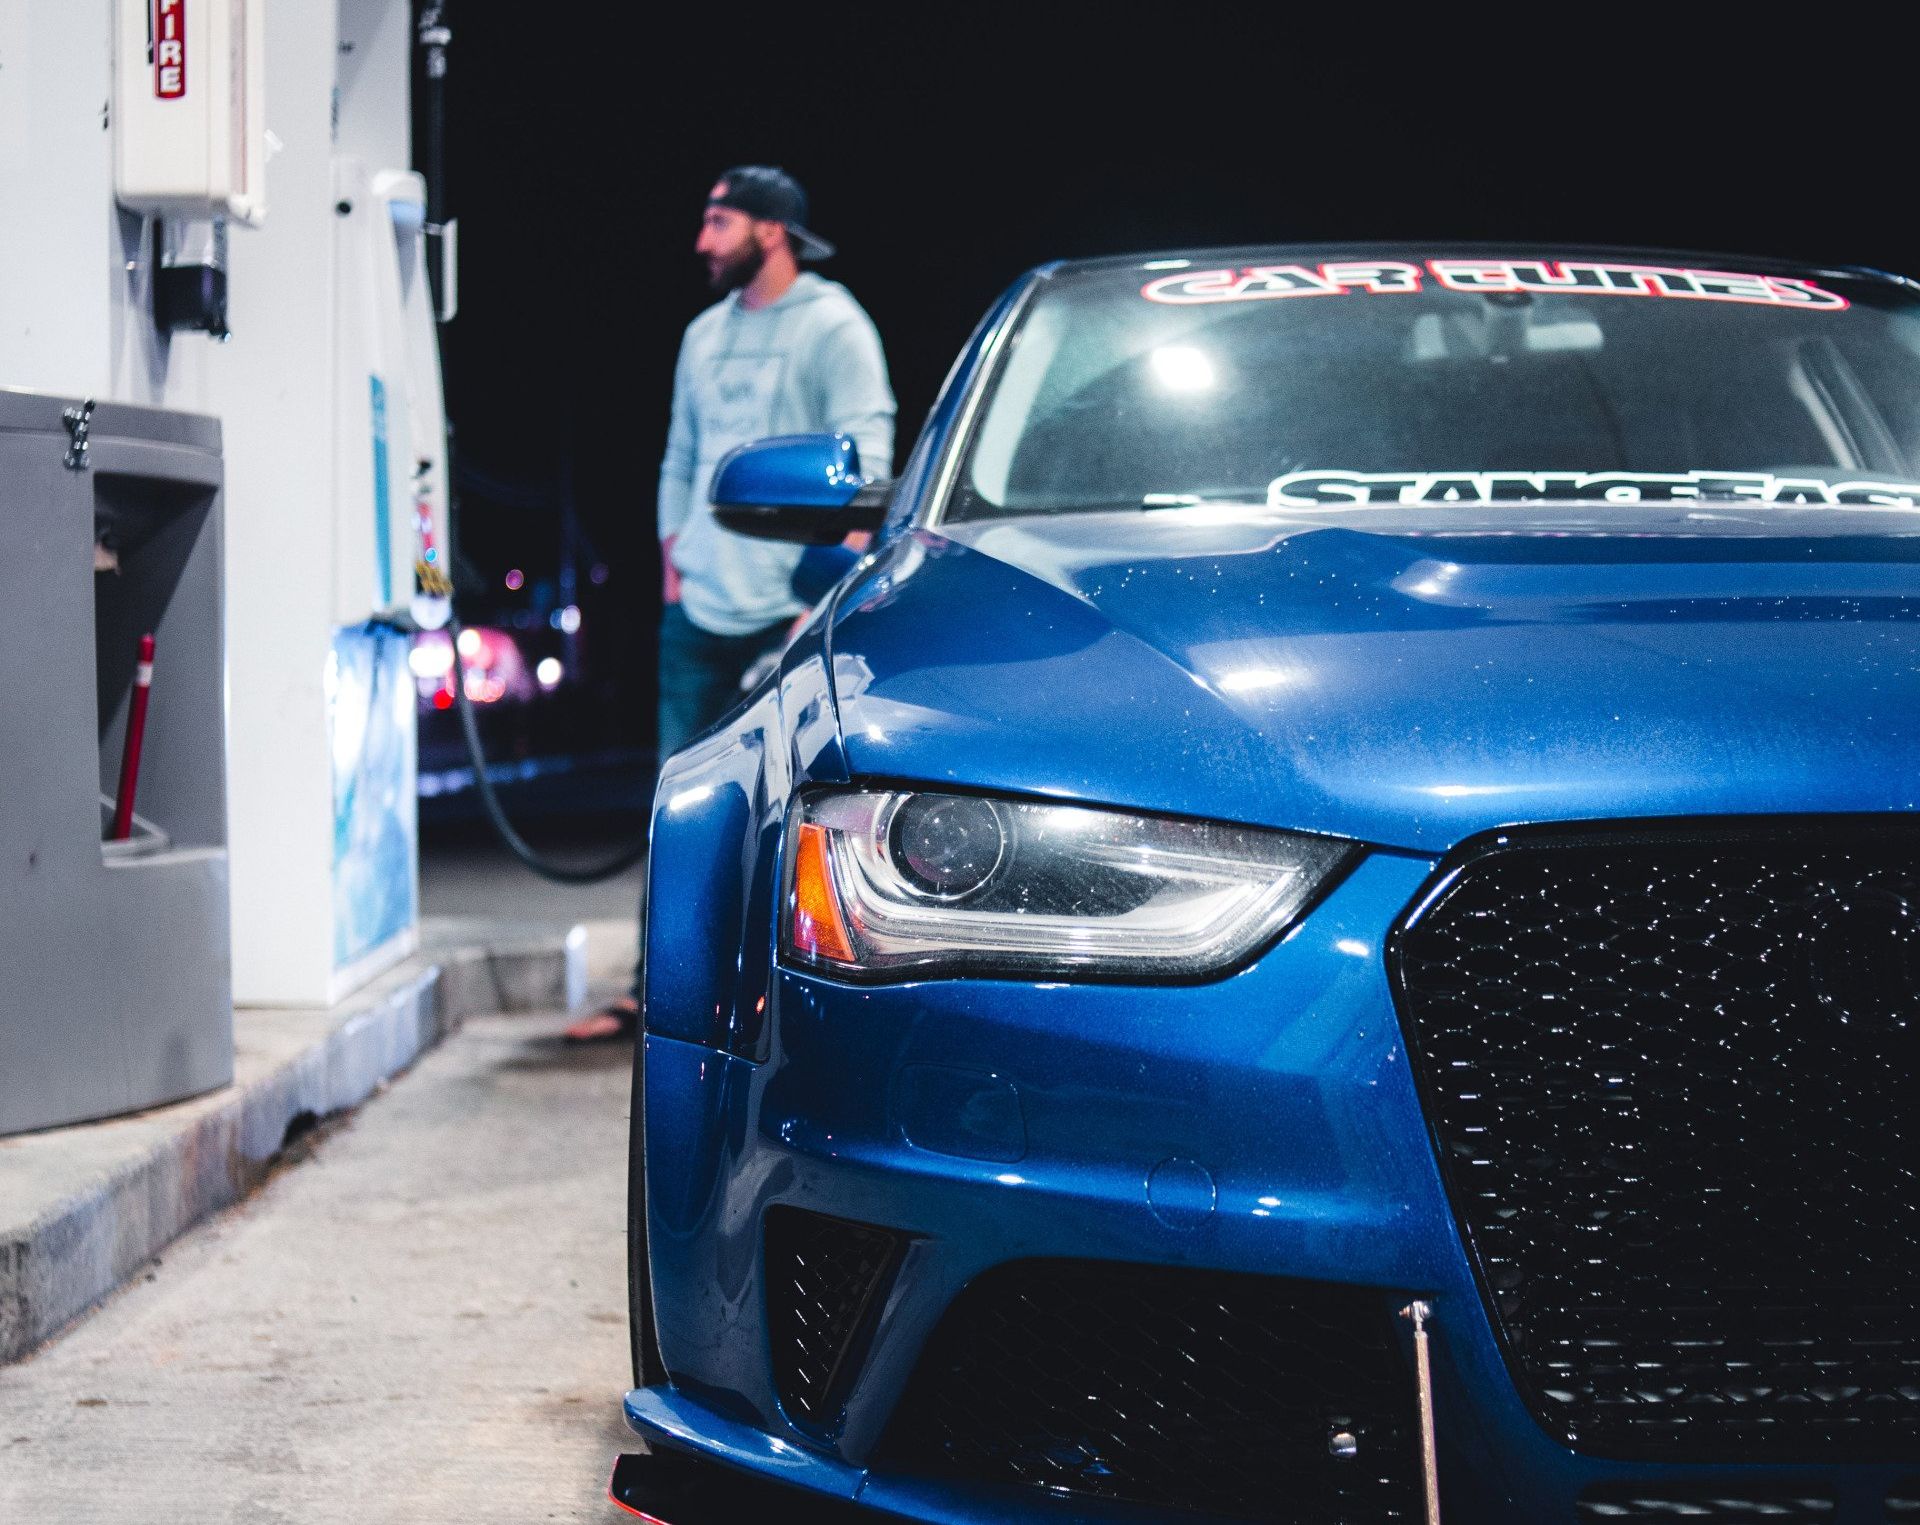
point(382, 510)
point(371, 700)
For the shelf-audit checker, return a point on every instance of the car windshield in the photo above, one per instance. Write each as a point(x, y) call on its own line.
point(1340, 383)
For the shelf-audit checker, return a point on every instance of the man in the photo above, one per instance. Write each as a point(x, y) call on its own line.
point(784, 352)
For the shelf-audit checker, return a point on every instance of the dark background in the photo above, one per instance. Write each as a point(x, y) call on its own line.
point(948, 149)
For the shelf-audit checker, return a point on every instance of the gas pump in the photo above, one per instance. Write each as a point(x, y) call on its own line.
point(150, 232)
point(391, 439)
point(390, 575)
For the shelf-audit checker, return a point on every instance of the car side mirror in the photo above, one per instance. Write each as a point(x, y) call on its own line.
point(801, 487)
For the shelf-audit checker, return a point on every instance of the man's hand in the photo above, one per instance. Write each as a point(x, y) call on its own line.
point(669, 578)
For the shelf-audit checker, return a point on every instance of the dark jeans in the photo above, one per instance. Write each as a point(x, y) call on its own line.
point(699, 682)
point(700, 674)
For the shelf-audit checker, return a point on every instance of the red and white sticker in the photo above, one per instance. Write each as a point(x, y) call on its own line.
point(1351, 489)
point(1593, 278)
point(1264, 282)
point(170, 49)
point(1258, 283)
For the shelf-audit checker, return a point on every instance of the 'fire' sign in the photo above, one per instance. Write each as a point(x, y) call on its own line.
point(170, 49)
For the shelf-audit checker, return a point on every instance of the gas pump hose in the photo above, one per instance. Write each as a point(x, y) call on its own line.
point(518, 845)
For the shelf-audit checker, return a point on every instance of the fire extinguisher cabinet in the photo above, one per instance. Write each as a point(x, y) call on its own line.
point(115, 974)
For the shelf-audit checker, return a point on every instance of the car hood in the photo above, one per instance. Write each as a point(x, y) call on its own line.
point(1394, 680)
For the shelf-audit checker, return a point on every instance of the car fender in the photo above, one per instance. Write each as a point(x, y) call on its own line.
point(711, 876)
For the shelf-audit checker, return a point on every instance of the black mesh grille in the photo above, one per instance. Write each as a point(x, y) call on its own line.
point(1672, 1077)
point(825, 1281)
point(1169, 1388)
point(1732, 1504)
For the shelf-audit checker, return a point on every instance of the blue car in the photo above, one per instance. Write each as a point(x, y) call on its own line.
point(1326, 927)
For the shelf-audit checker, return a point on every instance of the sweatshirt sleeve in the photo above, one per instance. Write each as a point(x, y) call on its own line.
point(676, 466)
point(855, 395)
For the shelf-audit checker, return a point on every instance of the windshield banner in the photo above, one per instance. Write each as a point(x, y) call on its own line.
point(1580, 277)
point(1346, 489)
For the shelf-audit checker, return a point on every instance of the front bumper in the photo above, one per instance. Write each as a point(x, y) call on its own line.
point(1264, 1124)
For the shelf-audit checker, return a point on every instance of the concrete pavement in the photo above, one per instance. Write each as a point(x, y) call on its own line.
point(82, 1208)
point(423, 1321)
point(469, 883)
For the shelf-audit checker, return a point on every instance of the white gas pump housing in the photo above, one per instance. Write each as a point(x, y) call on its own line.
point(123, 240)
point(189, 108)
point(390, 486)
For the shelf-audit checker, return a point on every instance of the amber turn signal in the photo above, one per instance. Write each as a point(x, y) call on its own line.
point(818, 928)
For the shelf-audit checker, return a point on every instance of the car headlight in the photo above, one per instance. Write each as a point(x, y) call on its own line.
point(895, 885)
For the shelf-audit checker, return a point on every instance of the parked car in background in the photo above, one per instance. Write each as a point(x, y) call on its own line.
point(1331, 914)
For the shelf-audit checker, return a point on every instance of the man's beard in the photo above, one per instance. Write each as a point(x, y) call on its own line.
point(738, 271)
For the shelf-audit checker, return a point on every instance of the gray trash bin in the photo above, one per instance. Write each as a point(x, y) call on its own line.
point(115, 972)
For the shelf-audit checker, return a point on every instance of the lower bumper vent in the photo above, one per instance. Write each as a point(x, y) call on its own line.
point(1244, 1396)
point(826, 1280)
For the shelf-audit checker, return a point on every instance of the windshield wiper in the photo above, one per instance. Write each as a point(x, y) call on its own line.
point(1199, 500)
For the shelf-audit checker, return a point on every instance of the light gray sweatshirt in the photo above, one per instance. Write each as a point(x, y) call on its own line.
point(808, 363)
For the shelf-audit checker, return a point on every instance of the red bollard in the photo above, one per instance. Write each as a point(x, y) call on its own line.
point(130, 754)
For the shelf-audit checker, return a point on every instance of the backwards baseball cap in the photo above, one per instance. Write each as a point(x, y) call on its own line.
point(772, 195)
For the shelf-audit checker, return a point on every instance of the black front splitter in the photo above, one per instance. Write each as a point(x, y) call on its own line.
point(670, 1488)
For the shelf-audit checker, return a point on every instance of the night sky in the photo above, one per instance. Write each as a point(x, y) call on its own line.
point(948, 149)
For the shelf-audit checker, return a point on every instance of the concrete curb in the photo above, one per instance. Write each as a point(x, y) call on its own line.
point(179, 1164)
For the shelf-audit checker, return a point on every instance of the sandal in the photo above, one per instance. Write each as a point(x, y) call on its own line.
point(616, 1022)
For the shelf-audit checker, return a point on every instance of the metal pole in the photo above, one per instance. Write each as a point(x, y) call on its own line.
point(434, 31)
point(435, 35)
point(1420, 1311)
point(136, 735)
